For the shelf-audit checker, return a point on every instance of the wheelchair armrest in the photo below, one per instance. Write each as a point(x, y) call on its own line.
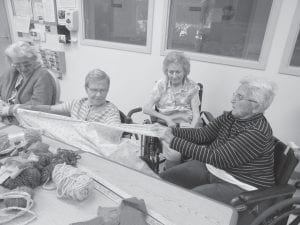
point(135, 110)
point(250, 197)
point(207, 117)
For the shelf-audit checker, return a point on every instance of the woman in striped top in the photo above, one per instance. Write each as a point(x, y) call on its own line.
point(233, 153)
point(93, 108)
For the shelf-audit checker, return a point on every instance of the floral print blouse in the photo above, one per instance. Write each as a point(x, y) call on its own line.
point(169, 101)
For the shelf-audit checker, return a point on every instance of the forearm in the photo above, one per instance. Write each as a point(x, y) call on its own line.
point(151, 112)
point(242, 149)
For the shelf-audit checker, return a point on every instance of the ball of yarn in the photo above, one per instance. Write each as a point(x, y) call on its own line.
point(46, 173)
point(18, 202)
point(29, 177)
point(71, 182)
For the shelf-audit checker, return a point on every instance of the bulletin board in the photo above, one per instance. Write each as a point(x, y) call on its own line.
point(54, 60)
point(42, 11)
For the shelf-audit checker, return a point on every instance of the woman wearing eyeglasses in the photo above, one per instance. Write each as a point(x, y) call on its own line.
point(240, 153)
point(26, 82)
point(93, 108)
point(175, 98)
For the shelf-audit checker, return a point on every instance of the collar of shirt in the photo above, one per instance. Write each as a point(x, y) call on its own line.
point(182, 89)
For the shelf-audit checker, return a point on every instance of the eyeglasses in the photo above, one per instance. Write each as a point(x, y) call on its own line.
point(174, 72)
point(239, 97)
point(22, 64)
point(101, 91)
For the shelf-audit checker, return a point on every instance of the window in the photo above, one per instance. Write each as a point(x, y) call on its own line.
point(236, 32)
point(290, 63)
point(121, 24)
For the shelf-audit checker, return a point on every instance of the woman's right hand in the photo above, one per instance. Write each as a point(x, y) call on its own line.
point(170, 123)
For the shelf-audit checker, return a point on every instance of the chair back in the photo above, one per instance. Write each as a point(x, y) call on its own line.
point(57, 87)
point(200, 95)
point(123, 117)
point(285, 162)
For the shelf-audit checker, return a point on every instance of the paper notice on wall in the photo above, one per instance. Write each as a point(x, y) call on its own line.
point(22, 23)
point(22, 8)
point(66, 4)
point(49, 11)
point(38, 11)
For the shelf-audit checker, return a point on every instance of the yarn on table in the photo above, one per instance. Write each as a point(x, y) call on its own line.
point(29, 177)
point(71, 182)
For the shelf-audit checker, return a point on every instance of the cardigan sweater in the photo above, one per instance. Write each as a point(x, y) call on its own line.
point(241, 147)
point(38, 88)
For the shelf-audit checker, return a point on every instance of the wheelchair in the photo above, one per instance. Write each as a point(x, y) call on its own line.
point(274, 205)
point(151, 147)
point(271, 206)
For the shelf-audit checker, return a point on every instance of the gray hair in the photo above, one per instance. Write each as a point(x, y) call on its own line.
point(21, 49)
point(261, 90)
point(96, 74)
point(178, 58)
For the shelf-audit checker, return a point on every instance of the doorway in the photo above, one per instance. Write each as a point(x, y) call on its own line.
point(5, 37)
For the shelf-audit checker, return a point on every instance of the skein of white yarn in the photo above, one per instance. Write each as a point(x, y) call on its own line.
point(71, 182)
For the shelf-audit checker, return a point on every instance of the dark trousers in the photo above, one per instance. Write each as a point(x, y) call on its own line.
point(194, 175)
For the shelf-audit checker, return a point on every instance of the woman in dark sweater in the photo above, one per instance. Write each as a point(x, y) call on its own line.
point(26, 82)
point(233, 153)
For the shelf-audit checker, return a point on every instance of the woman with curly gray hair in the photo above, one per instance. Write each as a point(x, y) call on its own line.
point(174, 100)
point(175, 96)
point(26, 82)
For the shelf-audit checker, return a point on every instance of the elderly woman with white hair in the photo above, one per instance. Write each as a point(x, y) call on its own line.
point(26, 82)
point(233, 153)
point(94, 107)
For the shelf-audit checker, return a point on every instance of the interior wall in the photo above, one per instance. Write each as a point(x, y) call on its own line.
point(133, 74)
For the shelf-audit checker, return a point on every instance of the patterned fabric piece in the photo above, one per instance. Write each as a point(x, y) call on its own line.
point(243, 148)
point(169, 101)
point(18, 84)
point(81, 109)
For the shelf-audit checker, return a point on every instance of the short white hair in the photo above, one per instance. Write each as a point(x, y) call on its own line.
point(261, 90)
point(21, 49)
point(96, 74)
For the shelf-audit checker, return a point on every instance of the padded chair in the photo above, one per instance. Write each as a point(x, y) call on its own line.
point(254, 206)
point(151, 147)
point(57, 87)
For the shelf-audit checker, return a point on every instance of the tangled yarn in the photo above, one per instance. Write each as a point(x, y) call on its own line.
point(62, 156)
point(29, 177)
point(71, 182)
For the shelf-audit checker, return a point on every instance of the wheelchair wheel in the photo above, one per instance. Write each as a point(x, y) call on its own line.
point(282, 213)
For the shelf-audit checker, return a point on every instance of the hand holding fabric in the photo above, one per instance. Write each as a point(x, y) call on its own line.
point(164, 133)
point(4, 108)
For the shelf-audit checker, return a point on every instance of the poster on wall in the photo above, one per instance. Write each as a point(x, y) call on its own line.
point(38, 11)
point(66, 4)
point(49, 11)
point(22, 7)
point(22, 23)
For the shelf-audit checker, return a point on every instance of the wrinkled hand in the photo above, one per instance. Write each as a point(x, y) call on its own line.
point(163, 133)
point(3, 108)
point(171, 123)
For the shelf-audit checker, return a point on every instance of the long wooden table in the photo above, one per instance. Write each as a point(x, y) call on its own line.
point(166, 203)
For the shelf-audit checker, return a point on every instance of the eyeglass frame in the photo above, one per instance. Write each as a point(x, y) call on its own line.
point(24, 64)
point(239, 97)
point(95, 91)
